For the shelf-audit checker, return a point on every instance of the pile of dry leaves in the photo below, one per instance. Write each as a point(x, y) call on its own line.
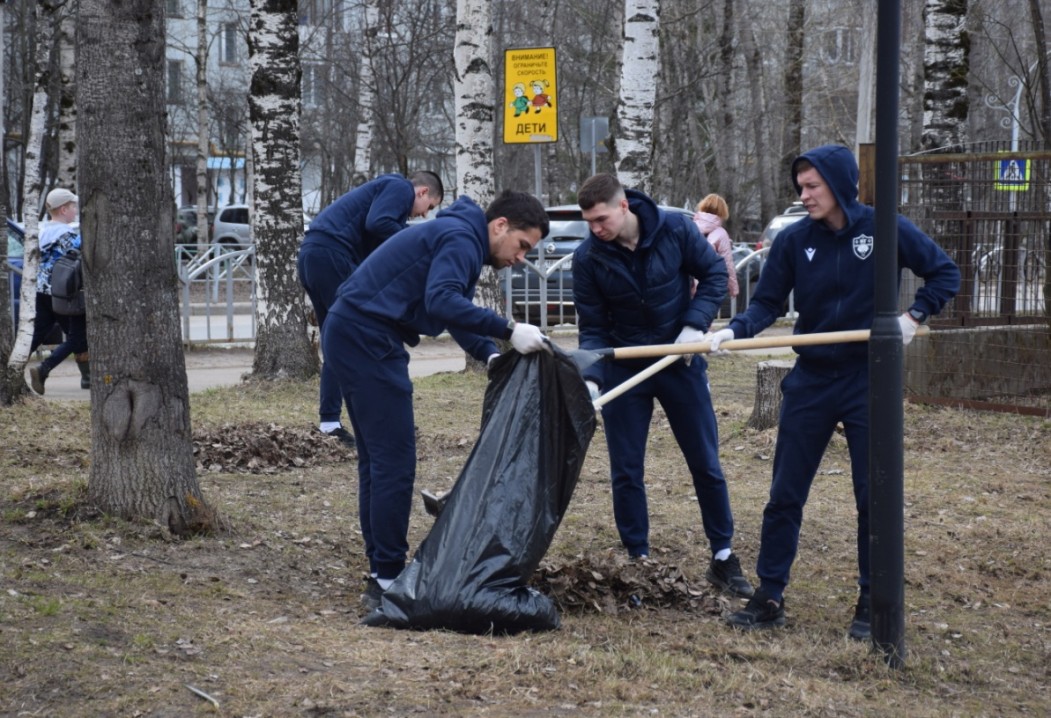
point(261, 448)
point(612, 583)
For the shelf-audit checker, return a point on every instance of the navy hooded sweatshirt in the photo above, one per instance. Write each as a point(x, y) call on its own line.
point(833, 273)
point(422, 280)
point(362, 219)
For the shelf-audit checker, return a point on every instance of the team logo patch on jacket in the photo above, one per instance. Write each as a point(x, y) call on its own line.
point(862, 246)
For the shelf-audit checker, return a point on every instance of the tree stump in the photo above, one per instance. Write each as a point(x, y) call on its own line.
point(767, 407)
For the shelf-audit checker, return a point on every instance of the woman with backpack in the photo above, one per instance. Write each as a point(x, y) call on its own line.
point(58, 237)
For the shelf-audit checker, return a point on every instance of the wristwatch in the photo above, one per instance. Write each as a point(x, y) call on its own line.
point(918, 315)
point(511, 324)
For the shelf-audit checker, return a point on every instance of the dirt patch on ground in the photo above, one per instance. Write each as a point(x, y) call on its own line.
point(104, 617)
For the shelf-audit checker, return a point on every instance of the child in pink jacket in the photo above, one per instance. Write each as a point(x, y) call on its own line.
point(711, 213)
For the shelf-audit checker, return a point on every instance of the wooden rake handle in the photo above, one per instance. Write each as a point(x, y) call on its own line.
point(790, 340)
point(637, 379)
point(673, 352)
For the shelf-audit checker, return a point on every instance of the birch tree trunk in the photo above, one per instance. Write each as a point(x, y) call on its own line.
point(475, 109)
point(13, 385)
point(282, 347)
point(142, 464)
point(946, 64)
point(366, 94)
point(474, 100)
point(201, 60)
point(640, 67)
point(945, 104)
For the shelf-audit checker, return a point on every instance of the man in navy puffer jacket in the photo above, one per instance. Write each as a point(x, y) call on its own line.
point(631, 286)
point(827, 259)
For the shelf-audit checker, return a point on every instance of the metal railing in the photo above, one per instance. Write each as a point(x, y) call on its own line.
point(541, 292)
point(218, 298)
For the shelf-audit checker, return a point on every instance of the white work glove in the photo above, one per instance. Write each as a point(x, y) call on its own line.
point(717, 338)
point(593, 390)
point(526, 339)
point(908, 328)
point(490, 360)
point(689, 335)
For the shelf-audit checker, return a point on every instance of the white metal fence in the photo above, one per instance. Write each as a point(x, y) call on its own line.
point(541, 292)
point(217, 294)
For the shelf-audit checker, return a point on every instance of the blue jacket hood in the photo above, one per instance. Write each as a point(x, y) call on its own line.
point(836, 164)
point(467, 210)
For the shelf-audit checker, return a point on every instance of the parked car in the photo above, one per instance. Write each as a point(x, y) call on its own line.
point(793, 213)
point(231, 227)
point(186, 224)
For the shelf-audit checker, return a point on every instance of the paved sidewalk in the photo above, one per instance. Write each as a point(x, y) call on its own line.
point(220, 366)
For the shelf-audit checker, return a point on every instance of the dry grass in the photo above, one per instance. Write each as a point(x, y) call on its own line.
point(101, 617)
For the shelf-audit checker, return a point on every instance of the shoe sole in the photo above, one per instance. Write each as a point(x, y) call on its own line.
point(726, 587)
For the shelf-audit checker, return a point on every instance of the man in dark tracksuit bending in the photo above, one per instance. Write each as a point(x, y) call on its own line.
point(420, 281)
point(827, 259)
point(340, 238)
point(631, 286)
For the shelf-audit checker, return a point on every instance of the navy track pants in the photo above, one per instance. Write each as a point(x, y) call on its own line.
point(683, 393)
point(321, 271)
point(369, 360)
point(813, 403)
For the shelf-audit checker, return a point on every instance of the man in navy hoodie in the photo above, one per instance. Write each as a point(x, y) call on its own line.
point(827, 259)
point(631, 286)
point(340, 238)
point(420, 281)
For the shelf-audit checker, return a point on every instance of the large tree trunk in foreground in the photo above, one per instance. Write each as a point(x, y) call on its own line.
point(142, 464)
point(282, 348)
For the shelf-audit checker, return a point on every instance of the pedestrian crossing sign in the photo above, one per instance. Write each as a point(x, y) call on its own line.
point(1012, 174)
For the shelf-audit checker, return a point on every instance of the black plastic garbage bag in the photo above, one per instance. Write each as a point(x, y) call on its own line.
point(471, 572)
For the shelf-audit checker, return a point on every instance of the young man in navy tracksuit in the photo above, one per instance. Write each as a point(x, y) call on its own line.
point(827, 258)
point(340, 238)
point(631, 286)
point(420, 281)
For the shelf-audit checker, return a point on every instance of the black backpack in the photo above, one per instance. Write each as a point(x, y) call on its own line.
point(67, 285)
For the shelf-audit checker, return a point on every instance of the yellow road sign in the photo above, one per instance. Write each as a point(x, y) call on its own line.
point(530, 95)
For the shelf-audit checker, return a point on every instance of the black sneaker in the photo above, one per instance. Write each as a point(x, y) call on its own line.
point(726, 576)
point(344, 436)
point(860, 627)
point(373, 593)
point(761, 612)
point(37, 377)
